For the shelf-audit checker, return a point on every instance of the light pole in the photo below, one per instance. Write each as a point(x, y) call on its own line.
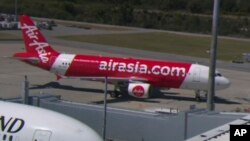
point(105, 108)
point(213, 53)
point(15, 10)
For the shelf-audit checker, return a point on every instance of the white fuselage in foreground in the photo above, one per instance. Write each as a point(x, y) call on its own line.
point(27, 123)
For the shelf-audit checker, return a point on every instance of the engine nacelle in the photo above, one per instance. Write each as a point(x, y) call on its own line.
point(139, 90)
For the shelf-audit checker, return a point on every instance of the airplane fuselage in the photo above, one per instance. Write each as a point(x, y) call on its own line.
point(27, 123)
point(139, 74)
point(158, 73)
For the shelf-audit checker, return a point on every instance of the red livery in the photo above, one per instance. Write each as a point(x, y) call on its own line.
point(135, 77)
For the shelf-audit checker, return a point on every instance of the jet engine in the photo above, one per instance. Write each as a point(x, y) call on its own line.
point(139, 90)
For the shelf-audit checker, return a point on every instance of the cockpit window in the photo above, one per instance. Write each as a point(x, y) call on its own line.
point(218, 74)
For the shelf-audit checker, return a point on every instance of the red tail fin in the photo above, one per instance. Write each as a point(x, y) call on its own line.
point(34, 41)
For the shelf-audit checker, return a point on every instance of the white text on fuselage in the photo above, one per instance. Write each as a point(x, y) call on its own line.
point(142, 68)
point(31, 32)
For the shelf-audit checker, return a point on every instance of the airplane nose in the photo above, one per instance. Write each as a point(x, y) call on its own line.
point(222, 82)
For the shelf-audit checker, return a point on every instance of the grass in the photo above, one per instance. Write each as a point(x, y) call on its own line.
point(187, 45)
point(9, 37)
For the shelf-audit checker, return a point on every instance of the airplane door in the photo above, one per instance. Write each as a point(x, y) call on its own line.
point(196, 75)
point(42, 135)
point(63, 65)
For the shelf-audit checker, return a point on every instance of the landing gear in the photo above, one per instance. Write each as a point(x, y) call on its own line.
point(199, 93)
point(115, 94)
point(197, 96)
point(117, 91)
point(120, 90)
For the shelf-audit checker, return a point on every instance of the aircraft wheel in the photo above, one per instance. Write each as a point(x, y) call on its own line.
point(197, 95)
point(114, 94)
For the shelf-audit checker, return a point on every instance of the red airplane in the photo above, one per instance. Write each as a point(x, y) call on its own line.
point(135, 77)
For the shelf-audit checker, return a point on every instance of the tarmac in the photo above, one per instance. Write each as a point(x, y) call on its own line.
point(12, 72)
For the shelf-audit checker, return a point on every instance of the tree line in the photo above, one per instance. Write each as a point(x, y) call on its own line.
point(178, 15)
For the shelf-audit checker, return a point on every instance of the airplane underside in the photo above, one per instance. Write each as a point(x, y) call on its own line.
point(121, 90)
